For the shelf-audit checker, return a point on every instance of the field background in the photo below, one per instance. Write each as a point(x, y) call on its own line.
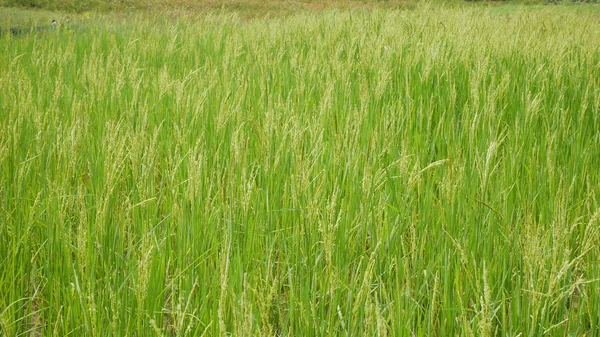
point(429, 170)
point(243, 8)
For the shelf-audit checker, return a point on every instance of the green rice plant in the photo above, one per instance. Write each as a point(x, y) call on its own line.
point(426, 172)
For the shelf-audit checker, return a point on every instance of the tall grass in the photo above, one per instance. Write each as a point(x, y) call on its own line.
point(406, 173)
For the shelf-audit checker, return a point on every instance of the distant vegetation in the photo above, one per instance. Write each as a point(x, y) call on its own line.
point(72, 5)
point(82, 5)
point(425, 172)
point(249, 6)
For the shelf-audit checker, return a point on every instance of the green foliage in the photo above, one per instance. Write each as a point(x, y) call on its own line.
point(72, 5)
point(431, 172)
point(23, 18)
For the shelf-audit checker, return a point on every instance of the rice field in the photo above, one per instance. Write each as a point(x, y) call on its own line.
point(424, 172)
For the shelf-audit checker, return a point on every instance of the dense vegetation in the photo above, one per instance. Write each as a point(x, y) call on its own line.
point(255, 7)
point(73, 5)
point(246, 7)
point(431, 172)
